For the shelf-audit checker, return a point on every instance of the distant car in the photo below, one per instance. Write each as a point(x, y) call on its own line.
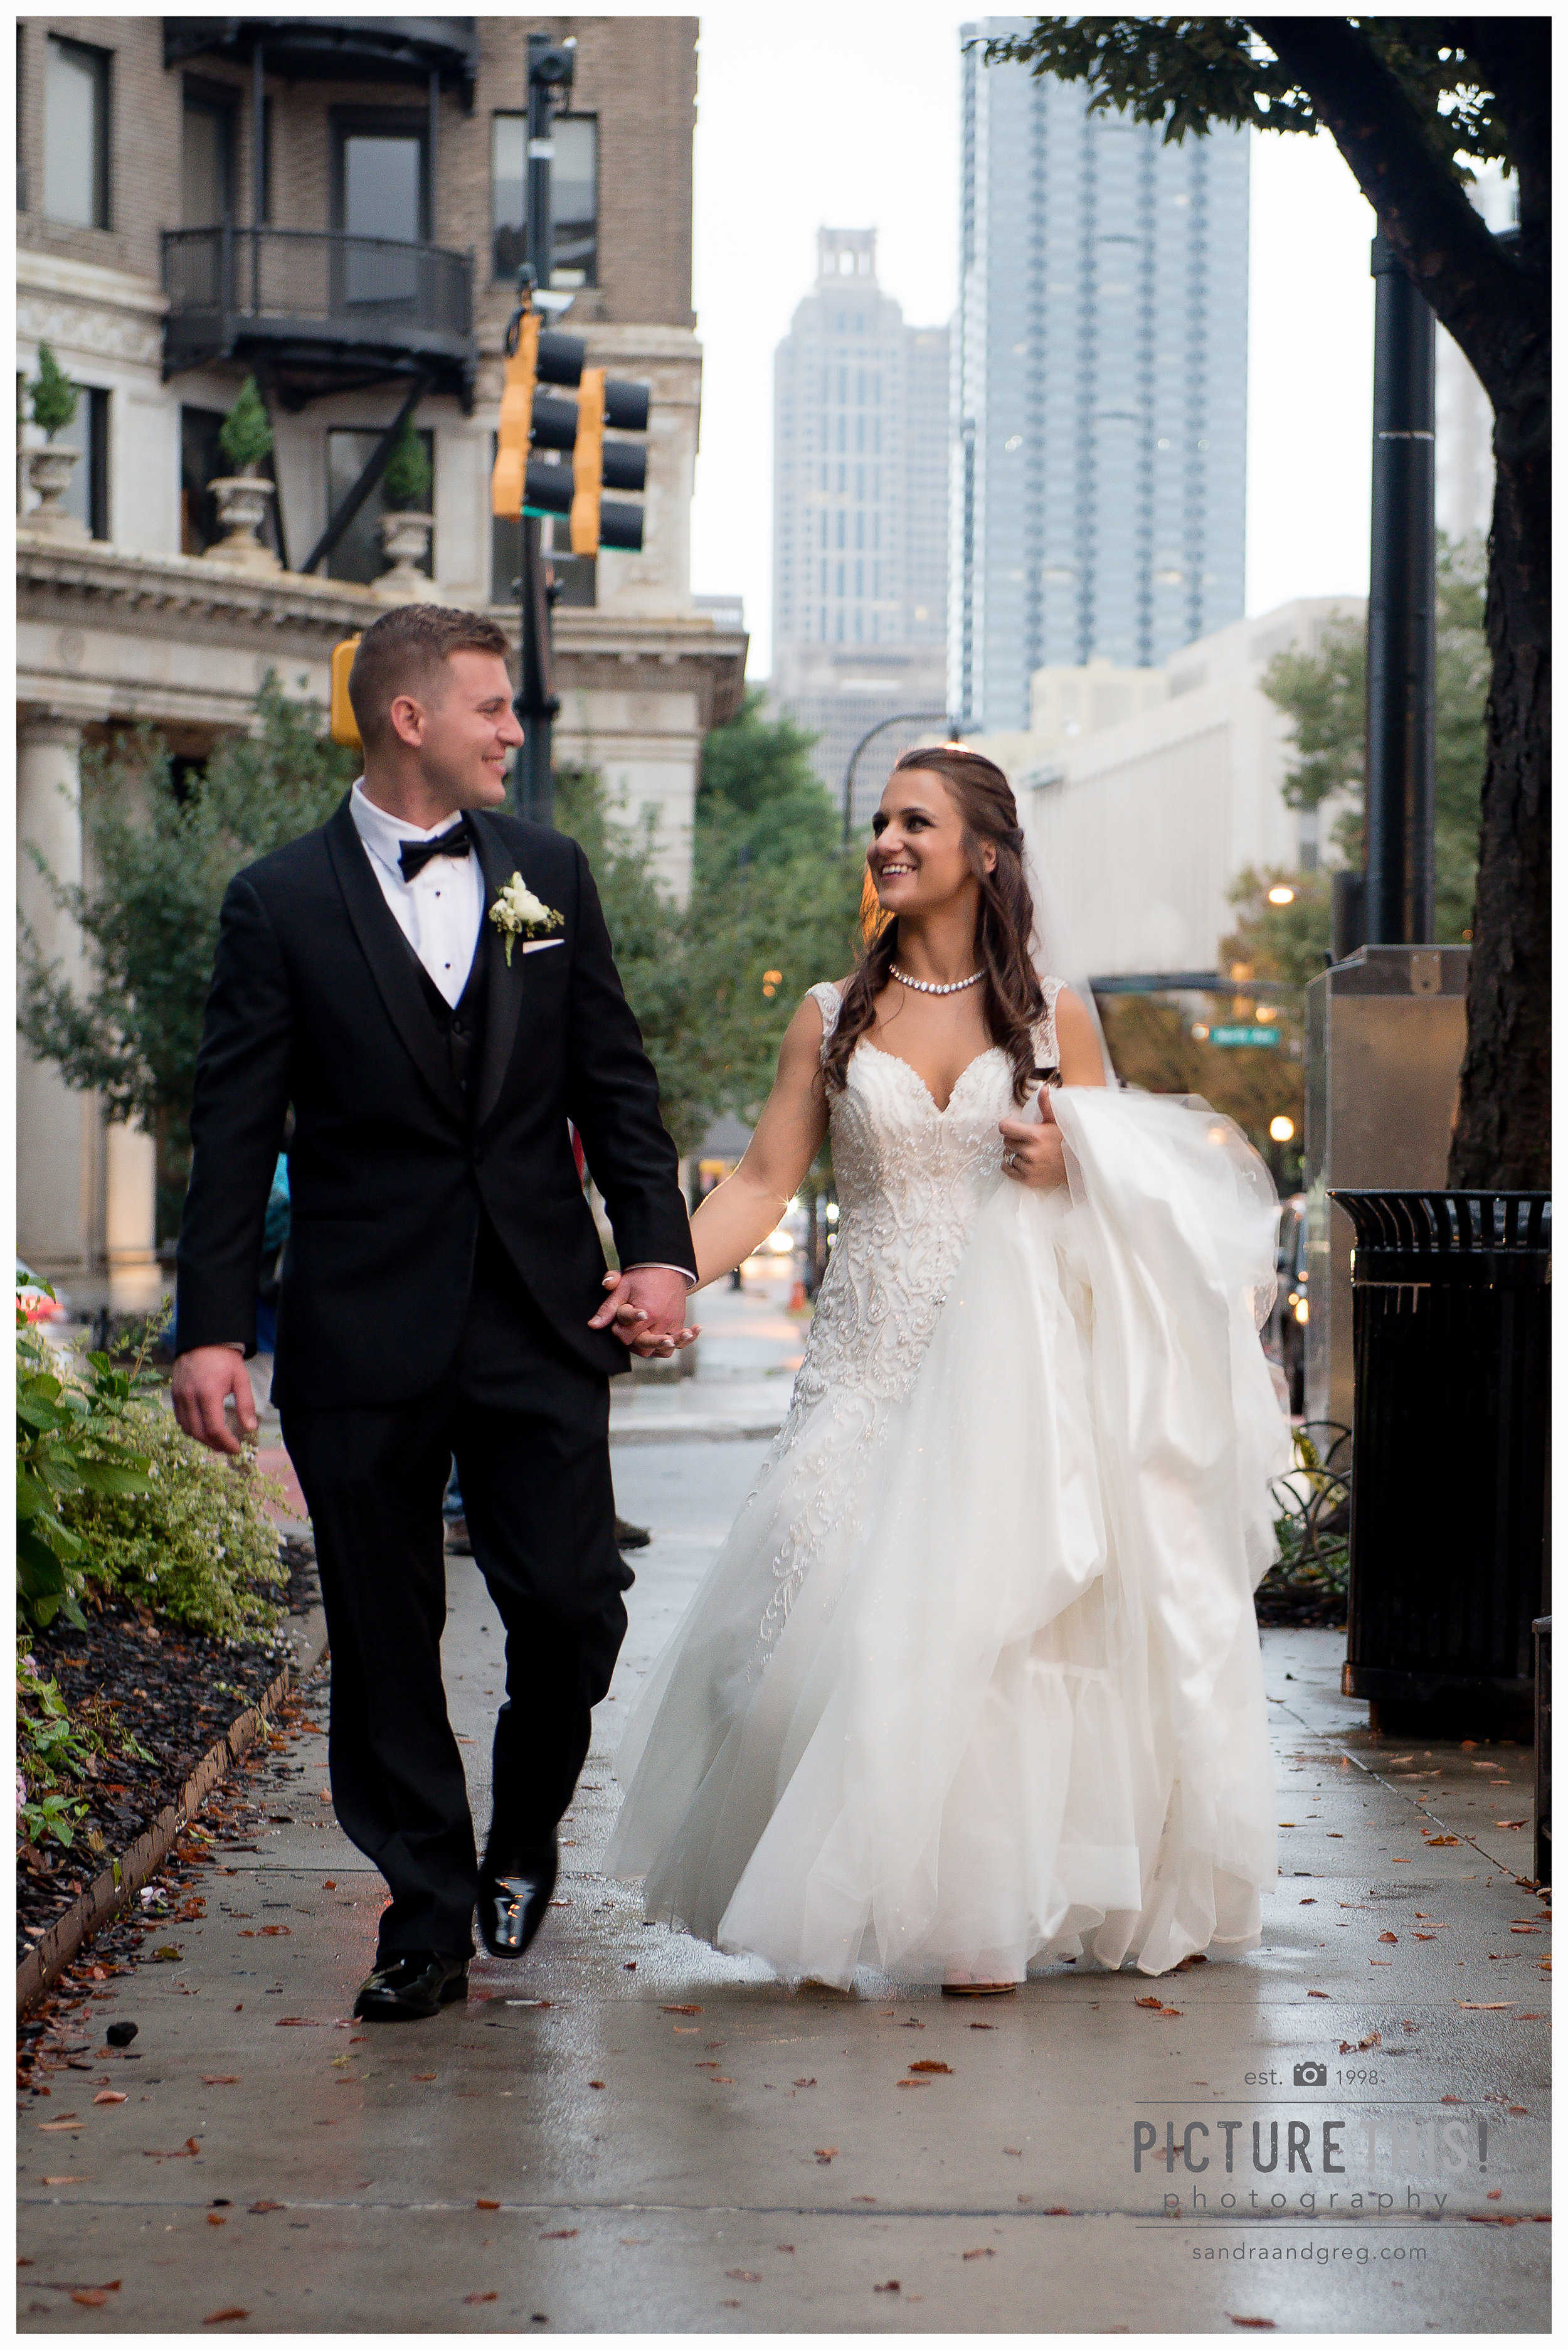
point(1285, 1337)
point(33, 1299)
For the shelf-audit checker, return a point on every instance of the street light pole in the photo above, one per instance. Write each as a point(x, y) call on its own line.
point(549, 72)
point(899, 718)
point(1401, 614)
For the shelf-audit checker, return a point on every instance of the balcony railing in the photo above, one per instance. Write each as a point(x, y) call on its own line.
point(320, 304)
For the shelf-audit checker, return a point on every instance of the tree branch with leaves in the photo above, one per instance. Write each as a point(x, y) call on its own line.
point(1413, 103)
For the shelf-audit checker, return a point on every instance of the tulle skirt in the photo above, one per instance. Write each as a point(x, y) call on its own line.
point(1013, 1707)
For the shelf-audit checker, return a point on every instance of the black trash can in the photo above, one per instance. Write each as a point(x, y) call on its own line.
point(1447, 1517)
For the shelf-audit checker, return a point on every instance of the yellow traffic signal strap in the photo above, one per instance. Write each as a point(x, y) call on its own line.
point(588, 462)
point(514, 429)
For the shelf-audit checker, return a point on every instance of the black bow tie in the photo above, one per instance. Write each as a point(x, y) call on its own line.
point(413, 856)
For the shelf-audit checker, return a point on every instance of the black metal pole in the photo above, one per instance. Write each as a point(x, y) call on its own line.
point(1401, 614)
point(899, 718)
point(258, 169)
point(536, 701)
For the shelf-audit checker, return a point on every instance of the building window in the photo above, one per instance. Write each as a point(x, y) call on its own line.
point(86, 495)
point(574, 198)
point(207, 161)
point(75, 135)
point(203, 462)
point(358, 554)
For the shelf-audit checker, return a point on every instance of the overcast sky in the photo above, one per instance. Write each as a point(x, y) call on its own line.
point(848, 117)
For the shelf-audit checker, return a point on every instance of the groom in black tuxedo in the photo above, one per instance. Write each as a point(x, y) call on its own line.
point(443, 1270)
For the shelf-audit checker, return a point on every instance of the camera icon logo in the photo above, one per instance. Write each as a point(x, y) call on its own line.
point(1310, 2075)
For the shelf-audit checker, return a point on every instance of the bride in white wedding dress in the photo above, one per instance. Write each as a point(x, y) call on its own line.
point(974, 1680)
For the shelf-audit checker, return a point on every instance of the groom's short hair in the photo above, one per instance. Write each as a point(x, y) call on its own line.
point(403, 652)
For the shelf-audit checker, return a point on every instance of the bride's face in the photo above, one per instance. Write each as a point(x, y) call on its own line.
point(917, 857)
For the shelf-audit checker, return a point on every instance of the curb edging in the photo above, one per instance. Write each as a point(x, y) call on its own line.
point(129, 1871)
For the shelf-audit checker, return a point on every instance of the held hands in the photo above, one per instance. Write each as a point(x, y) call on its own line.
point(204, 1380)
point(1033, 1154)
point(646, 1309)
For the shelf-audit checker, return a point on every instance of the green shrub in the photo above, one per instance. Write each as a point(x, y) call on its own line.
point(53, 397)
point(196, 1546)
point(245, 436)
point(72, 1445)
point(405, 485)
point(113, 1500)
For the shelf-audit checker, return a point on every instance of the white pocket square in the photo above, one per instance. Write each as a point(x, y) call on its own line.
point(537, 946)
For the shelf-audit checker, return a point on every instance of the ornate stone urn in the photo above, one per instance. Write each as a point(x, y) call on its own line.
point(49, 472)
point(405, 538)
point(242, 510)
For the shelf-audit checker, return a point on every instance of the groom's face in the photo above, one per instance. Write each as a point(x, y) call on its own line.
point(464, 732)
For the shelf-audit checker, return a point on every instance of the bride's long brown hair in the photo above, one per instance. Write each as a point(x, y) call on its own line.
point(1013, 998)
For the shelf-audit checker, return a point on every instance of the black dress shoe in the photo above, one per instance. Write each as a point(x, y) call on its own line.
point(630, 1537)
point(411, 1985)
point(515, 1892)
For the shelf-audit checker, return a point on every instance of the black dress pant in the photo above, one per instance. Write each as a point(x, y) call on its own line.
point(529, 1427)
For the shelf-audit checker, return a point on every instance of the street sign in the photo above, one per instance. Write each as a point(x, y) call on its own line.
point(1243, 1036)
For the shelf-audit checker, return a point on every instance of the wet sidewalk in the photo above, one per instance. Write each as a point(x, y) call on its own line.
point(628, 2132)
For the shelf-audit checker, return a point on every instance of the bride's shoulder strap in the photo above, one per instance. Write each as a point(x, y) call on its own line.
point(1047, 1054)
point(829, 1003)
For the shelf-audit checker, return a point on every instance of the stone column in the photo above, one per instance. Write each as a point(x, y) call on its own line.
point(56, 1135)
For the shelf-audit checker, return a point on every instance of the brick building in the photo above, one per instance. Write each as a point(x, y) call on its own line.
point(358, 258)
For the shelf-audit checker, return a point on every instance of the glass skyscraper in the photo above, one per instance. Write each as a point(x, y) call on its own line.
point(861, 440)
point(1098, 478)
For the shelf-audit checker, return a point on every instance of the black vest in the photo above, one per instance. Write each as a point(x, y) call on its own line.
point(462, 1024)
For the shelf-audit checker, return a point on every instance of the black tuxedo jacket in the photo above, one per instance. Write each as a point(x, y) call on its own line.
point(317, 999)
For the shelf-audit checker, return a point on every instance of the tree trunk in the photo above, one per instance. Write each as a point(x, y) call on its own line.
point(1502, 1139)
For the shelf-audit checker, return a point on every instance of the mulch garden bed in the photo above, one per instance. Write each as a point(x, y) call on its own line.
point(65, 2029)
point(176, 1692)
point(1302, 1607)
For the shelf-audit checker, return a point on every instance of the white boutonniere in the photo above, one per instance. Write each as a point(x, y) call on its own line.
point(518, 914)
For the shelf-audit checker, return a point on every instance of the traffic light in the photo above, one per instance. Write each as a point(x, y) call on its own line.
point(345, 726)
point(523, 482)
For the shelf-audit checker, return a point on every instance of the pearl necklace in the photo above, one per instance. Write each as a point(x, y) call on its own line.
point(930, 986)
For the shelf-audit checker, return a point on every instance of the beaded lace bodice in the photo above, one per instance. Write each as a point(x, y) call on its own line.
point(910, 1179)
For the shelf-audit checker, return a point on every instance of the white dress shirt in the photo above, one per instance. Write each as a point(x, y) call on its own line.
point(439, 912)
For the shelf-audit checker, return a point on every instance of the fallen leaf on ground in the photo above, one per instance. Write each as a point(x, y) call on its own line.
point(109, 2097)
point(224, 2316)
point(892, 2285)
point(263, 2206)
point(929, 2064)
point(1265, 2322)
point(1317, 1994)
point(983, 2027)
point(913, 2085)
point(217, 2219)
point(71, 2122)
point(68, 2179)
point(807, 2084)
point(424, 2076)
point(1149, 2002)
point(1170, 2010)
point(483, 2203)
point(1511, 1824)
point(720, 2080)
point(1523, 1929)
point(220, 2080)
point(557, 2235)
point(90, 2298)
point(681, 2010)
point(981, 2252)
point(472, 2298)
point(1486, 2006)
point(825, 2153)
point(1387, 1937)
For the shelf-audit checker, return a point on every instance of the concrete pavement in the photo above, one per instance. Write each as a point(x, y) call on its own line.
point(628, 2132)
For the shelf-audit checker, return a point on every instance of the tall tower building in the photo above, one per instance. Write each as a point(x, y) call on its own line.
point(1100, 371)
point(860, 509)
